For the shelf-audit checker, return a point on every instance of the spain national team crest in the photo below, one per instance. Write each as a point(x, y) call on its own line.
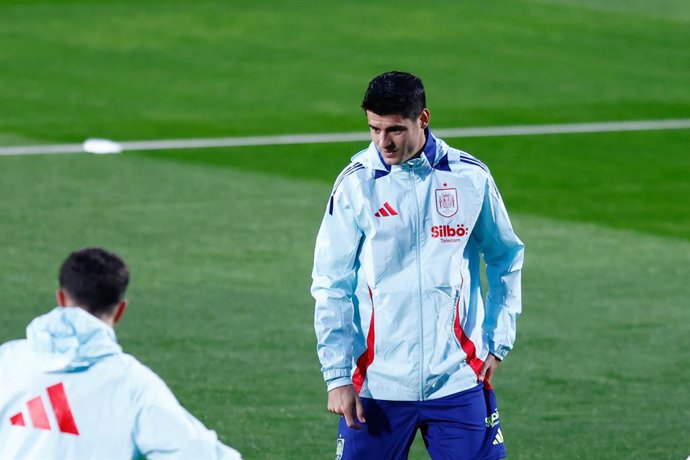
point(447, 201)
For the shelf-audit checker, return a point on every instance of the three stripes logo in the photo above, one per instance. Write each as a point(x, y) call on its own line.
point(39, 417)
point(386, 210)
point(499, 438)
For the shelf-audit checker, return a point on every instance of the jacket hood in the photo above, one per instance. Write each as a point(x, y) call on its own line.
point(70, 340)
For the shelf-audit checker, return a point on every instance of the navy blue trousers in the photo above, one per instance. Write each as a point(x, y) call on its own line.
point(462, 426)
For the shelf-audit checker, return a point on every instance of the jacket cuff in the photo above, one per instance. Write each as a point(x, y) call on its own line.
point(336, 373)
point(337, 377)
point(500, 351)
point(337, 383)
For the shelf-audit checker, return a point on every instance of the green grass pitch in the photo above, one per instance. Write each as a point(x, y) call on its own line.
point(220, 242)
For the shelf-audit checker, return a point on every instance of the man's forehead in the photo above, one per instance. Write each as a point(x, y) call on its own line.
point(375, 119)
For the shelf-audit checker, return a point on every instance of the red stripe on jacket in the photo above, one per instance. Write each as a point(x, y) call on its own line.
point(63, 413)
point(37, 412)
point(366, 358)
point(467, 345)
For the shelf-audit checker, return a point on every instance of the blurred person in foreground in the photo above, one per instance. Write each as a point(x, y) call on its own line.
point(68, 391)
point(406, 339)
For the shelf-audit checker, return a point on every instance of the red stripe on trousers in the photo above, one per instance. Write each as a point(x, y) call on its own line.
point(37, 412)
point(390, 209)
point(366, 358)
point(18, 420)
point(63, 413)
point(467, 345)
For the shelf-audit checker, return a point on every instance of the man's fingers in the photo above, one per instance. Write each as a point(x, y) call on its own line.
point(482, 373)
point(488, 369)
point(344, 401)
point(350, 419)
point(489, 373)
point(360, 410)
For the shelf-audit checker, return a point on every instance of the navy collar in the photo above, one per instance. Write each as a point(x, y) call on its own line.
point(387, 167)
point(430, 147)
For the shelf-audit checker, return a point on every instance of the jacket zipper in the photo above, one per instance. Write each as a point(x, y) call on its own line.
point(419, 284)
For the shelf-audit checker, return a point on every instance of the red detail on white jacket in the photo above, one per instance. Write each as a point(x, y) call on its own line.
point(18, 420)
point(37, 412)
point(467, 345)
point(366, 358)
point(39, 417)
point(63, 413)
point(386, 211)
point(390, 209)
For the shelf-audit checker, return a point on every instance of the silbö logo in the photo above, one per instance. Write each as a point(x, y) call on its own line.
point(448, 233)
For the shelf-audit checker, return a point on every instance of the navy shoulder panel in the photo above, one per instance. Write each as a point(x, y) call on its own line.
point(351, 169)
point(470, 160)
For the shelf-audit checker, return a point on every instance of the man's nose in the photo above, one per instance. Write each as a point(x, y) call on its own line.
point(384, 139)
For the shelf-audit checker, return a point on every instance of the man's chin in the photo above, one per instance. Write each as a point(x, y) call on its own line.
point(391, 160)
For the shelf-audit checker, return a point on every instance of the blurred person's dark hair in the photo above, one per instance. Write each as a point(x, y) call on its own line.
point(94, 278)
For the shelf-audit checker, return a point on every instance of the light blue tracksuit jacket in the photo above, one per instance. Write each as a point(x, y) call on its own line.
point(400, 311)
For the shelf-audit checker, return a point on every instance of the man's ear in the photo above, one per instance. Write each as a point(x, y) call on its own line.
point(61, 297)
point(424, 118)
point(119, 311)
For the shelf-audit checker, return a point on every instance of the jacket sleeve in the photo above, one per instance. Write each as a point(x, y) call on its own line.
point(334, 282)
point(503, 254)
point(166, 430)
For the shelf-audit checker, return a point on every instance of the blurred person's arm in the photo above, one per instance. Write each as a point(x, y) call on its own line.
point(165, 430)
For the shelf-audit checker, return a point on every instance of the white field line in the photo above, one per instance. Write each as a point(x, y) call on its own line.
point(490, 131)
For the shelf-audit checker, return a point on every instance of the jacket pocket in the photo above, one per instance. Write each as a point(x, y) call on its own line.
point(447, 353)
point(459, 312)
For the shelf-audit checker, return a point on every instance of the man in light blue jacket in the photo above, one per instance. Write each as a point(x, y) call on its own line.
point(406, 339)
point(68, 391)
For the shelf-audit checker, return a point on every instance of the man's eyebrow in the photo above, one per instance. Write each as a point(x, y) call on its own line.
point(391, 128)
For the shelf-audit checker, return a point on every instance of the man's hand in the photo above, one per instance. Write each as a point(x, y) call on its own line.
point(490, 366)
point(345, 401)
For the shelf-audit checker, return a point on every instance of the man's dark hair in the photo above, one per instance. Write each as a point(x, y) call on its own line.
point(394, 93)
point(95, 279)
